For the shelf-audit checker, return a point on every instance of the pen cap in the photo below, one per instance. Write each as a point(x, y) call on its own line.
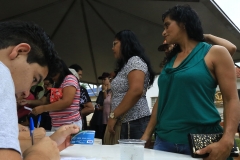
point(39, 118)
point(31, 124)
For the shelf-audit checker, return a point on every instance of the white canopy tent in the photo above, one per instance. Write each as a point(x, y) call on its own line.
point(83, 30)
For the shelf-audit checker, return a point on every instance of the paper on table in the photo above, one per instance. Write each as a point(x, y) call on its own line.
point(78, 158)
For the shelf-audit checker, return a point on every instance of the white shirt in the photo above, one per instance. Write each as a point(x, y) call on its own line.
point(8, 111)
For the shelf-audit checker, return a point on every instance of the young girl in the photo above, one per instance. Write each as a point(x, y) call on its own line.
point(65, 110)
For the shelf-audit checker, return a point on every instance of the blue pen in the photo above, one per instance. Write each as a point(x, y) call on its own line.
point(39, 120)
point(31, 128)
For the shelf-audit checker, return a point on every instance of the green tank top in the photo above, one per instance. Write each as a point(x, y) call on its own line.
point(186, 98)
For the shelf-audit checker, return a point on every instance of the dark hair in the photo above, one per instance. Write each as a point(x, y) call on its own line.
point(37, 90)
point(42, 50)
point(76, 67)
point(188, 17)
point(63, 71)
point(130, 46)
point(49, 79)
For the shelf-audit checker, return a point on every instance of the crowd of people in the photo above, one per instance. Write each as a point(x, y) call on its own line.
point(194, 65)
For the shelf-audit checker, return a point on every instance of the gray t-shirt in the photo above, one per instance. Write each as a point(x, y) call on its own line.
point(119, 87)
point(8, 111)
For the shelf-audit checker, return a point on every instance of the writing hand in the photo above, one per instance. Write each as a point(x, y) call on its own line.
point(62, 135)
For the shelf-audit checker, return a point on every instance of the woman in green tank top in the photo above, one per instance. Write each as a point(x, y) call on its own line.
point(187, 86)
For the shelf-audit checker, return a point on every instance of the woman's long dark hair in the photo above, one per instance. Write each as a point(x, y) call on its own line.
point(63, 71)
point(188, 17)
point(130, 47)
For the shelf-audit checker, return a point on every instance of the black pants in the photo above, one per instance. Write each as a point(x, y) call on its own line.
point(134, 129)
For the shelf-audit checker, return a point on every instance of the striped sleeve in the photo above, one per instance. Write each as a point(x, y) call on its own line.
point(70, 80)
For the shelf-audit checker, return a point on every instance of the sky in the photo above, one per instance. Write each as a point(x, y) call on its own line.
point(231, 9)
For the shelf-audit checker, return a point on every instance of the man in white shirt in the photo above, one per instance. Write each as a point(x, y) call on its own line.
point(27, 56)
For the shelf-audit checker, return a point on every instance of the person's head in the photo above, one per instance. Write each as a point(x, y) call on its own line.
point(63, 72)
point(105, 77)
point(28, 52)
point(125, 46)
point(78, 69)
point(47, 83)
point(180, 21)
point(74, 73)
point(21, 95)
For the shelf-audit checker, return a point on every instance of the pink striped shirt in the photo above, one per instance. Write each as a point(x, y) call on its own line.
point(70, 114)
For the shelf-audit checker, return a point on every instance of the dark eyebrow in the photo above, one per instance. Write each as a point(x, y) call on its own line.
point(165, 23)
point(40, 79)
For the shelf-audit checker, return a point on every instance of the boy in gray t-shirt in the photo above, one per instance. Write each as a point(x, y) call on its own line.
point(8, 121)
point(27, 56)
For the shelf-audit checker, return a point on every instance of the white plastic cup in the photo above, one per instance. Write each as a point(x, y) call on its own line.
point(131, 149)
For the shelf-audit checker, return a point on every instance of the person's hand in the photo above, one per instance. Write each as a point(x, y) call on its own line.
point(99, 108)
point(111, 123)
point(39, 133)
point(22, 128)
point(37, 110)
point(104, 87)
point(22, 102)
point(148, 140)
point(62, 135)
point(145, 137)
point(207, 37)
point(219, 150)
point(44, 149)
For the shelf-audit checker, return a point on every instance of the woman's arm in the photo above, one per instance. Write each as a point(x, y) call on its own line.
point(36, 102)
point(152, 123)
point(222, 42)
point(134, 93)
point(66, 101)
point(222, 68)
point(88, 109)
point(225, 74)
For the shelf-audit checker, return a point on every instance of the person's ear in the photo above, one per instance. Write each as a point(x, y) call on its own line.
point(20, 49)
point(183, 26)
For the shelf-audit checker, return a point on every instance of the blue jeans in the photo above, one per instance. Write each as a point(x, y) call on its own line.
point(171, 147)
point(134, 129)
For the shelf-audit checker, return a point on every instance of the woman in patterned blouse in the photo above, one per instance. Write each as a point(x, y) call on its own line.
point(133, 77)
point(65, 110)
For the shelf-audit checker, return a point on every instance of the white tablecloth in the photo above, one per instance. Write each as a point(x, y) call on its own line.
point(112, 152)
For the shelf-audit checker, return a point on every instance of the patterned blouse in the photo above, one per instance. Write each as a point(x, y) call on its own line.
point(119, 87)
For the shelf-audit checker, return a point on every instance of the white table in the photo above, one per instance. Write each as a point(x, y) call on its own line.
point(112, 152)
